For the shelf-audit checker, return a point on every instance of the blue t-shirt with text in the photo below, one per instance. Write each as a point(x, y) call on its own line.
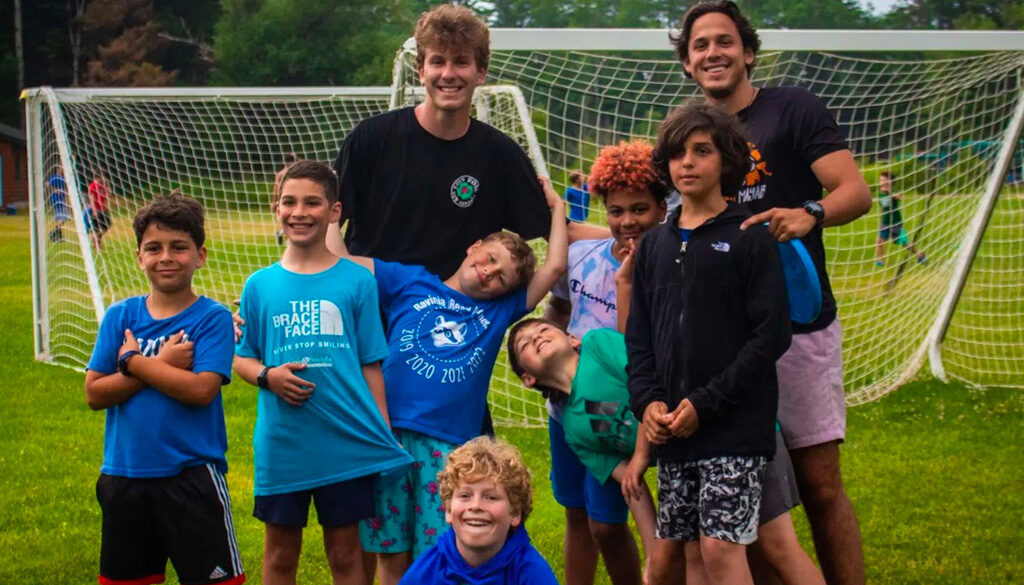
point(443, 347)
point(152, 434)
point(329, 320)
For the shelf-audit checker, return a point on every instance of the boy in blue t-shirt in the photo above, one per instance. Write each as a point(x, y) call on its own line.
point(157, 369)
point(313, 345)
point(577, 197)
point(444, 338)
point(486, 490)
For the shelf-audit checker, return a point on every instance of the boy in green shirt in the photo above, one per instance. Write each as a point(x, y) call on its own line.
point(589, 376)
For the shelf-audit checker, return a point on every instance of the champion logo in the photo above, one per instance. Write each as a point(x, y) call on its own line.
point(720, 246)
point(218, 573)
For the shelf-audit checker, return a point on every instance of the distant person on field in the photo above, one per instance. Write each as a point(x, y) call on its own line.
point(890, 226)
point(157, 368)
point(487, 495)
point(596, 514)
point(99, 205)
point(707, 320)
point(577, 197)
point(58, 203)
point(313, 344)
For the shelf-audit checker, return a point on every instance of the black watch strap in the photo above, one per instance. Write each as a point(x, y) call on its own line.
point(816, 210)
point(261, 380)
point(122, 361)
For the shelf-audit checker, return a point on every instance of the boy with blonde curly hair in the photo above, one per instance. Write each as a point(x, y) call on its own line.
point(487, 494)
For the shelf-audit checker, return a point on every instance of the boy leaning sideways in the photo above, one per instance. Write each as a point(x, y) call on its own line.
point(708, 319)
point(444, 337)
point(313, 343)
point(157, 368)
point(487, 494)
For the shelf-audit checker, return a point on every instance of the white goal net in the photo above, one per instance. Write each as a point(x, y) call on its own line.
point(938, 121)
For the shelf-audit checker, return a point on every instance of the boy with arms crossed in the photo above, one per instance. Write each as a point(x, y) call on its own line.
point(797, 150)
point(595, 512)
point(444, 338)
point(587, 380)
point(485, 487)
point(157, 368)
point(708, 318)
point(321, 435)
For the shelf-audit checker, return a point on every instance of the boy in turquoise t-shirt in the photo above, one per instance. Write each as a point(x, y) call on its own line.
point(589, 377)
point(313, 344)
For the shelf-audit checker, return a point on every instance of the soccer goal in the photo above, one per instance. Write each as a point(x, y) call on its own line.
point(942, 111)
point(947, 123)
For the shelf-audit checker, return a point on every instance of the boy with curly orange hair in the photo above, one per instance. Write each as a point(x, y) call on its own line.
point(487, 495)
point(596, 513)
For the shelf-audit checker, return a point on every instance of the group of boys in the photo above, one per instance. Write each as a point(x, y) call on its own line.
point(359, 416)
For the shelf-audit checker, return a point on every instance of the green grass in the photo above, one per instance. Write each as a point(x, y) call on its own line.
point(934, 471)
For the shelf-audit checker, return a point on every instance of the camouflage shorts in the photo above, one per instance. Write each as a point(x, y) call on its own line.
point(718, 498)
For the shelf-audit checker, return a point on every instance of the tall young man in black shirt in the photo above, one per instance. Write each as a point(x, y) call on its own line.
point(797, 149)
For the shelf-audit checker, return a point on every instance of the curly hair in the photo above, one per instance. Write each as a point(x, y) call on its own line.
point(680, 38)
point(522, 255)
point(625, 167)
point(173, 212)
point(726, 133)
point(448, 26)
point(484, 458)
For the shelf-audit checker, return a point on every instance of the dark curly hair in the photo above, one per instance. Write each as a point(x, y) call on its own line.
point(680, 38)
point(173, 212)
point(726, 133)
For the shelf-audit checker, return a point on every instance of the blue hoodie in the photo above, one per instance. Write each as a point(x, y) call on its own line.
point(517, 563)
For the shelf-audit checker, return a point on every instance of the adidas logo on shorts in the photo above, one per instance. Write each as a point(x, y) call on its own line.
point(218, 573)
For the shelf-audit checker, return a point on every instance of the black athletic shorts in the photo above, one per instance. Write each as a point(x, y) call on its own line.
point(337, 504)
point(101, 221)
point(185, 518)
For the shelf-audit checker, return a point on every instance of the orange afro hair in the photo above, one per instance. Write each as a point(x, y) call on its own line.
point(625, 167)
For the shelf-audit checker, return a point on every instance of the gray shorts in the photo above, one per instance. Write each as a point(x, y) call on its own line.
point(812, 402)
point(779, 493)
point(718, 498)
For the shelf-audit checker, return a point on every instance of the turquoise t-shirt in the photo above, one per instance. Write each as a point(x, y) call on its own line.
point(331, 321)
point(599, 426)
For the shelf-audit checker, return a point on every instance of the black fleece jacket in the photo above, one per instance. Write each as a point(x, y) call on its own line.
point(707, 322)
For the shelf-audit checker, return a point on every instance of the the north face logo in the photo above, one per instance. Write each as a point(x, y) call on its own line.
point(464, 190)
point(720, 246)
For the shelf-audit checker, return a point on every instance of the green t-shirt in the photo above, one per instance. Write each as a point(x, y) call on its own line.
point(890, 207)
point(599, 426)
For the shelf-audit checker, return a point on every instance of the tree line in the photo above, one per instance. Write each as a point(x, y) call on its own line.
point(145, 43)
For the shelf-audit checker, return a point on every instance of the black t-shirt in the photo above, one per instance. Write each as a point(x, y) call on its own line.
point(411, 197)
point(789, 128)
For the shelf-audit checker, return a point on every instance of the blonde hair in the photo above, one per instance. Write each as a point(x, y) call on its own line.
point(522, 255)
point(484, 458)
point(449, 26)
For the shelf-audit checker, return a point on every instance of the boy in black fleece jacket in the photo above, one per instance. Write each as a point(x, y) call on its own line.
point(708, 319)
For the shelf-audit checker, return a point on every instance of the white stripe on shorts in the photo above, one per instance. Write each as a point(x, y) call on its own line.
point(229, 524)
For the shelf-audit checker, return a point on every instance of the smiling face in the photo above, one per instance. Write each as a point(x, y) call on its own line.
point(482, 516)
point(631, 213)
point(488, 271)
point(169, 258)
point(696, 172)
point(450, 76)
point(304, 212)
point(540, 349)
point(716, 58)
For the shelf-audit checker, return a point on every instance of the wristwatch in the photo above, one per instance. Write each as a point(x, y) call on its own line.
point(122, 361)
point(261, 380)
point(816, 210)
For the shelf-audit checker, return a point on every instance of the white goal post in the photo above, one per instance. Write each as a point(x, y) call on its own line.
point(941, 110)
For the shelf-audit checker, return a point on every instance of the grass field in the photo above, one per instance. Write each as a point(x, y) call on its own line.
point(935, 471)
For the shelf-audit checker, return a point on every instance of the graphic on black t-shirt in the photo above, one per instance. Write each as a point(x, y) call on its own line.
point(754, 185)
point(464, 190)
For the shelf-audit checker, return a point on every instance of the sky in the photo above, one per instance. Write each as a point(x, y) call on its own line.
point(880, 6)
